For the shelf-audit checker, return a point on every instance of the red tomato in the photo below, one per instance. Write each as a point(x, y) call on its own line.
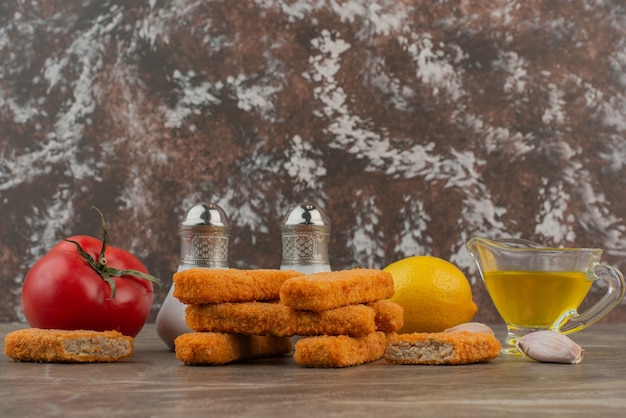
point(63, 291)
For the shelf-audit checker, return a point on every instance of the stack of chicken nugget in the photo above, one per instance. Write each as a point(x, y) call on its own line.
point(342, 316)
point(361, 316)
point(210, 296)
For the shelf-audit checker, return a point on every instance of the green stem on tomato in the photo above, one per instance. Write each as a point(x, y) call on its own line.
point(107, 273)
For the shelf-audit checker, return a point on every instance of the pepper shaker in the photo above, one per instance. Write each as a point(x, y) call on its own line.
point(204, 234)
point(305, 232)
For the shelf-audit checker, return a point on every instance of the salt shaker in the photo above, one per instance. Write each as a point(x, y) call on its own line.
point(305, 232)
point(204, 235)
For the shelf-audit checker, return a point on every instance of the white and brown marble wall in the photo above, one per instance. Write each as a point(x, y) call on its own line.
point(416, 125)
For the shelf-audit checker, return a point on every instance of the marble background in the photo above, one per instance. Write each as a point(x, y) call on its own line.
point(416, 125)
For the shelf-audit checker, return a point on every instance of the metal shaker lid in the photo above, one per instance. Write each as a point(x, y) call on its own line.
point(305, 231)
point(204, 235)
point(306, 214)
point(208, 214)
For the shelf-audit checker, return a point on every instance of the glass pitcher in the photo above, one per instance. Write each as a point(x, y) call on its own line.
point(537, 288)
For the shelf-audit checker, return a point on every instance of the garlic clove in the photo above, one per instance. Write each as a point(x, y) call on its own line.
point(550, 346)
point(471, 327)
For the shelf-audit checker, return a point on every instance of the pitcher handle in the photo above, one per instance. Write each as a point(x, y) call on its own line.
point(612, 297)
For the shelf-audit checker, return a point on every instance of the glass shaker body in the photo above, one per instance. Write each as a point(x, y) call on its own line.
point(204, 236)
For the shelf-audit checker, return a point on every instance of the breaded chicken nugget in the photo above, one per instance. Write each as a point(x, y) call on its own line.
point(212, 348)
point(389, 315)
point(339, 351)
point(328, 290)
point(261, 318)
point(61, 346)
point(442, 348)
point(201, 285)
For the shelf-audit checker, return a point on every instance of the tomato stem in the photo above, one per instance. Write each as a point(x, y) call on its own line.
point(107, 273)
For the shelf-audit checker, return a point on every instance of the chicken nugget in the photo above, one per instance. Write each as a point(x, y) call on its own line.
point(389, 315)
point(262, 318)
point(339, 351)
point(213, 348)
point(328, 290)
point(201, 285)
point(442, 348)
point(62, 346)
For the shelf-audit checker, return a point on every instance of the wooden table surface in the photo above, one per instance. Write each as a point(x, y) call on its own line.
point(153, 384)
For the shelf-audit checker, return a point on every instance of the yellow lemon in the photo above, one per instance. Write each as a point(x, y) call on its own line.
point(434, 293)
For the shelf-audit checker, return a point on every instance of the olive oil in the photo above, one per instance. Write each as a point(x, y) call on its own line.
point(535, 299)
